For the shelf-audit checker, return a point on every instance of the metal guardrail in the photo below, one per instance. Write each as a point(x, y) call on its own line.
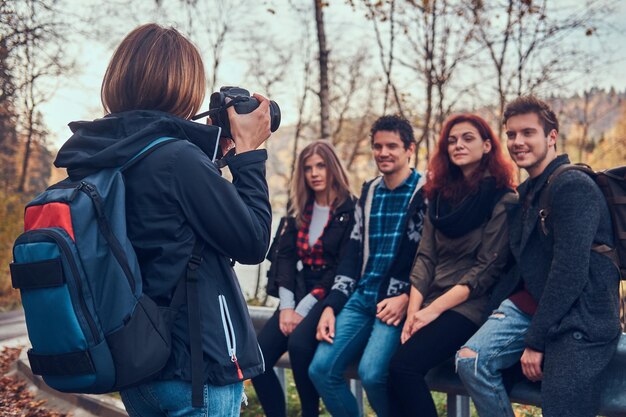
point(444, 379)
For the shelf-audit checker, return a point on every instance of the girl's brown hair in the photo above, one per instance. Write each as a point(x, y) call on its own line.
point(154, 68)
point(336, 178)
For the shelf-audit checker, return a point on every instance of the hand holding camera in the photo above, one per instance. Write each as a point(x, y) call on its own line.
point(250, 130)
point(246, 119)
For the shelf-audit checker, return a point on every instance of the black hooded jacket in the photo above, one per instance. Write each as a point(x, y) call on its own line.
point(176, 195)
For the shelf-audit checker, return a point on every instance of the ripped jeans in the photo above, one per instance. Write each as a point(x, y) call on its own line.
point(498, 344)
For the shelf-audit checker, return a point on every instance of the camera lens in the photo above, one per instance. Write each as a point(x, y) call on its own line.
point(274, 116)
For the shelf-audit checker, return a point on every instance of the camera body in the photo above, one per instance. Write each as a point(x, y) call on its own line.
point(243, 103)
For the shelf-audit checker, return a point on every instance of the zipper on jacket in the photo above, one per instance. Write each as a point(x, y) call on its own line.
point(105, 229)
point(67, 252)
point(262, 357)
point(229, 333)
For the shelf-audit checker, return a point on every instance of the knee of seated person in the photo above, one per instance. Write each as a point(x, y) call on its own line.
point(466, 363)
point(371, 375)
point(296, 346)
point(466, 352)
point(318, 371)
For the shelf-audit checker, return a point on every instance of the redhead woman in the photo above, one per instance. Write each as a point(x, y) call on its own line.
point(310, 246)
point(463, 251)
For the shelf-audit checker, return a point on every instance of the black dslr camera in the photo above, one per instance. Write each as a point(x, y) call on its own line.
point(243, 103)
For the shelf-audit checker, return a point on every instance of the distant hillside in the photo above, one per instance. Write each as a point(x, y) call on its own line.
point(599, 110)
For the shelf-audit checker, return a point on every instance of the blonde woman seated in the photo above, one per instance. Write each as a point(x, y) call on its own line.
point(309, 248)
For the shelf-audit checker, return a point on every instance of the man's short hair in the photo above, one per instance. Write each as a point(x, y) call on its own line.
point(394, 123)
point(531, 104)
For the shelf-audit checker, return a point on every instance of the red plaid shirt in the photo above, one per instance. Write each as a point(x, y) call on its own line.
point(309, 255)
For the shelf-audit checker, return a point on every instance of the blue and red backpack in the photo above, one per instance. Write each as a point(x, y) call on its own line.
point(91, 327)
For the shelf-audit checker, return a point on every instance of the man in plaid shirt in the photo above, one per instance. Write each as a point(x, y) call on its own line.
point(372, 282)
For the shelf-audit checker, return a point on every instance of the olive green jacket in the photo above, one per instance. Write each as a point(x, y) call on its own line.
point(476, 259)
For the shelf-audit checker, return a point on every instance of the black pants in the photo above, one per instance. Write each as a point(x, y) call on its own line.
point(408, 393)
point(301, 345)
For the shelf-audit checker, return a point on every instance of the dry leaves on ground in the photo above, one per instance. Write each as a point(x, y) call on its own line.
point(15, 398)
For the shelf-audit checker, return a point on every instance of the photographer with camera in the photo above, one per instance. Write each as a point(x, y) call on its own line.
point(185, 222)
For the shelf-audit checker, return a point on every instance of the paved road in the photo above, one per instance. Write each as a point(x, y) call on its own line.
point(12, 324)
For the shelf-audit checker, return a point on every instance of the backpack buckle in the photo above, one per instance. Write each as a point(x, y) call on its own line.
point(543, 215)
point(194, 262)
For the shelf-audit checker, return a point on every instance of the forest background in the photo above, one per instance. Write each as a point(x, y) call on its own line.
point(334, 66)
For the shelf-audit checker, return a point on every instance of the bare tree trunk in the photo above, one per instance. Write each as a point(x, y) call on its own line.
point(362, 136)
point(300, 124)
point(323, 93)
point(429, 52)
point(439, 43)
point(297, 134)
point(27, 152)
point(387, 63)
point(29, 107)
point(585, 127)
point(354, 82)
point(499, 63)
point(425, 137)
point(497, 57)
point(257, 287)
point(40, 57)
point(217, 49)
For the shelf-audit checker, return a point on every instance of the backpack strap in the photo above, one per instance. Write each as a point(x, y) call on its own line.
point(546, 192)
point(609, 252)
point(195, 329)
point(544, 207)
point(151, 147)
point(189, 285)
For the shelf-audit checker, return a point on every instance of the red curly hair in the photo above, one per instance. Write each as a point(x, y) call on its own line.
point(447, 179)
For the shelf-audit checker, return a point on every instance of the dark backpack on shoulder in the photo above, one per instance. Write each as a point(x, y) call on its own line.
point(612, 183)
point(91, 327)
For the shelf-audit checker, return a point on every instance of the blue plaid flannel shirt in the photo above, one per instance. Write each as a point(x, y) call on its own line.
point(386, 221)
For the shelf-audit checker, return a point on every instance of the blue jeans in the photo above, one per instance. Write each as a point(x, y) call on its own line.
point(173, 399)
point(356, 330)
point(498, 344)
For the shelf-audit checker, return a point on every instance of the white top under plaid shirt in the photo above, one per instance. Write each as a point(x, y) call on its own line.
point(386, 221)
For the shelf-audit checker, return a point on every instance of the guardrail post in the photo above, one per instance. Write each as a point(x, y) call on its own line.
point(458, 405)
point(357, 391)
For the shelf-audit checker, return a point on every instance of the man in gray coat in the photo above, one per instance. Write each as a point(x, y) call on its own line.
point(560, 314)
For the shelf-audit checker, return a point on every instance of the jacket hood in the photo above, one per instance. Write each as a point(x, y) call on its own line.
point(116, 138)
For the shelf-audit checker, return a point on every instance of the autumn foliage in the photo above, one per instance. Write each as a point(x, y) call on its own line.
point(15, 398)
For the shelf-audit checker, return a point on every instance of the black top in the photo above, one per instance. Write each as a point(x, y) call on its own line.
point(334, 238)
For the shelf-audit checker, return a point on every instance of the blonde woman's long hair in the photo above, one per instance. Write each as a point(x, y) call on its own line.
point(336, 179)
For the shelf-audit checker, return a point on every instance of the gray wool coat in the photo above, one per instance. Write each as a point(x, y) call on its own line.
point(576, 324)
